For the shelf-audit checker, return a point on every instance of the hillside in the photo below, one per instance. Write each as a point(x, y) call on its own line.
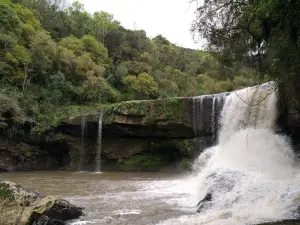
point(56, 61)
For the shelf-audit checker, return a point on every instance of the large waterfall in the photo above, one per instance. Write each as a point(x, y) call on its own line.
point(251, 173)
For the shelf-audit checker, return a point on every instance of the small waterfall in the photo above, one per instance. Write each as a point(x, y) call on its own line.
point(214, 119)
point(83, 134)
point(99, 143)
point(252, 172)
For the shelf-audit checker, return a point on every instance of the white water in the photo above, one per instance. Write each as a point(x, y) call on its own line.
point(252, 172)
point(99, 145)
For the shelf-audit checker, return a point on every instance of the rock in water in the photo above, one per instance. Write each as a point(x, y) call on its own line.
point(24, 207)
point(285, 222)
point(207, 198)
point(2, 170)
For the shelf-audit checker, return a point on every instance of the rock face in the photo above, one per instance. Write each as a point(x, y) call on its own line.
point(145, 135)
point(157, 118)
point(162, 118)
point(290, 110)
point(24, 207)
point(17, 155)
point(135, 154)
point(137, 136)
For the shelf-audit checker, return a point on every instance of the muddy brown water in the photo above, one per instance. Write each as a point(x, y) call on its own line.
point(113, 197)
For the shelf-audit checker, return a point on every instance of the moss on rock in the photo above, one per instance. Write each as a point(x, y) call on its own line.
point(149, 112)
point(148, 118)
point(5, 191)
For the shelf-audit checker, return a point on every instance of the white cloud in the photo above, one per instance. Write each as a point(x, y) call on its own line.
point(170, 18)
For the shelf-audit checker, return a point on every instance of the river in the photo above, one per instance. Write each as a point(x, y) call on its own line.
point(115, 197)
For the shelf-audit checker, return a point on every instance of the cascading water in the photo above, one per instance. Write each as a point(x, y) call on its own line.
point(197, 114)
point(99, 140)
point(83, 134)
point(217, 105)
point(204, 112)
point(252, 173)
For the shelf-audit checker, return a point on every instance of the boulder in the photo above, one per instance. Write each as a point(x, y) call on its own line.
point(24, 207)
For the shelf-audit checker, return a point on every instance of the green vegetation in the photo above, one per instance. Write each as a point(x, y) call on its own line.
point(151, 112)
point(258, 34)
point(56, 62)
point(5, 2)
point(185, 164)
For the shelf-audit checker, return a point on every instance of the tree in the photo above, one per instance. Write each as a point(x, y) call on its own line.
point(43, 50)
point(97, 89)
point(102, 23)
point(97, 50)
point(79, 19)
point(51, 15)
point(72, 43)
point(142, 85)
point(251, 31)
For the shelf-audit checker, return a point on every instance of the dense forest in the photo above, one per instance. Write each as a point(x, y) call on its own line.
point(56, 59)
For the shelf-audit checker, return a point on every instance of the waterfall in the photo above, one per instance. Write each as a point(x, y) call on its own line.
point(197, 115)
point(217, 105)
point(252, 172)
point(99, 140)
point(204, 112)
point(83, 134)
point(213, 119)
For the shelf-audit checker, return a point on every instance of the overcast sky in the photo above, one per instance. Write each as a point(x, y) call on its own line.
point(171, 18)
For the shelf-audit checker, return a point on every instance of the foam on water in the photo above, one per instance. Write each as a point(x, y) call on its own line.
point(252, 172)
